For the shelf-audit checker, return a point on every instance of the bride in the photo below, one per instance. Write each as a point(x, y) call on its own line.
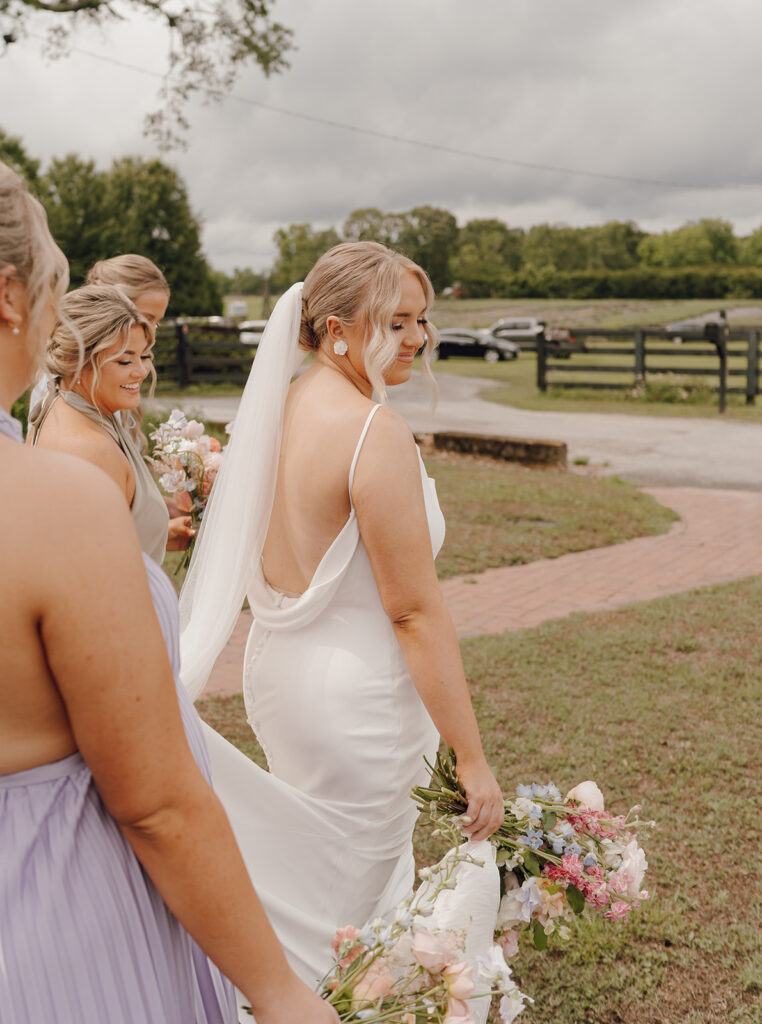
point(324, 516)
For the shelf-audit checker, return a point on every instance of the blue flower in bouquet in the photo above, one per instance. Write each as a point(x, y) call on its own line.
point(590, 860)
point(525, 791)
point(533, 837)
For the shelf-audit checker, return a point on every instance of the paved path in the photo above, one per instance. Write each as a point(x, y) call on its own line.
point(718, 539)
point(648, 450)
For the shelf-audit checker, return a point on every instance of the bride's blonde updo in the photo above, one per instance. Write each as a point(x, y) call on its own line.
point(362, 282)
point(27, 245)
point(93, 319)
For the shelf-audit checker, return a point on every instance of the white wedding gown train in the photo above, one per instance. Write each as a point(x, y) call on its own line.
point(327, 833)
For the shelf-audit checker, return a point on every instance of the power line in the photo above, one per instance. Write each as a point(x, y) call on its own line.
point(420, 143)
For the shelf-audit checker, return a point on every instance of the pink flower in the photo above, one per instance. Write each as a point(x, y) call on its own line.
point(192, 430)
point(434, 952)
point(460, 983)
point(182, 502)
point(345, 946)
point(509, 943)
point(458, 1013)
point(617, 911)
point(373, 985)
point(214, 445)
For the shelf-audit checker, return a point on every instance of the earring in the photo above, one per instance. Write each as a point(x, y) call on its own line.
point(340, 348)
point(15, 331)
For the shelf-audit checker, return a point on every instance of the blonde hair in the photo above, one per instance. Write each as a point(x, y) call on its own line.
point(102, 317)
point(27, 245)
point(362, 282)
point(131, 273)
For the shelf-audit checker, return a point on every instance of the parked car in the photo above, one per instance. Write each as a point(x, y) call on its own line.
point(524, 332)
point(251, 331)
point(462, 341)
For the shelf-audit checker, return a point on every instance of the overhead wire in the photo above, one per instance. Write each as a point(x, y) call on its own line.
point(420, 143)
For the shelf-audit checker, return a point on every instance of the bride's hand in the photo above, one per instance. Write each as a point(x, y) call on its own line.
point(298, 1004)
point(486, 810)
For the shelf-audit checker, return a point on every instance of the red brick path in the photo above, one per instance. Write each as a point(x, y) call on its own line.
point(718, 539)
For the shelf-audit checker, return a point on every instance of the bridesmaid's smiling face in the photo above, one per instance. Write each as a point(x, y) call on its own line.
point(121, 371)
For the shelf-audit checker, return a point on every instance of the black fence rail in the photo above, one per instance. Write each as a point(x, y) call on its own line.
point(636, 356)
point(188, 353)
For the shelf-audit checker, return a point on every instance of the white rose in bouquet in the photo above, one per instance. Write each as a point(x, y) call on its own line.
point(587, 795)
point(634, 864)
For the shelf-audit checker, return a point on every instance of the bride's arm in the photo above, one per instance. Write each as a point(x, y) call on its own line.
point(388, 498)
point(107, 655)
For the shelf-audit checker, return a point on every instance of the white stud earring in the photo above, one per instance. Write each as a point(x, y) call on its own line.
point(340, 347)
point(15, 331)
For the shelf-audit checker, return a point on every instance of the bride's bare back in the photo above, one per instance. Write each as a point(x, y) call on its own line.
point(324, 416)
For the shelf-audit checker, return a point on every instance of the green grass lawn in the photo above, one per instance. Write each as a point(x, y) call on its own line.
point(499, 513)
point(610, 313)
point(516, 385)
point(660, 704)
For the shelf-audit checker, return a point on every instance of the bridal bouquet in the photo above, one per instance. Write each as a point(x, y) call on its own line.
point(185, 460)
point(403, 970)
point(557, 855)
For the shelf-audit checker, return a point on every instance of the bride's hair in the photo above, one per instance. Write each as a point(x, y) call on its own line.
point(362, 282)
point(102, 317)
point(27, 245)
point(131, 273)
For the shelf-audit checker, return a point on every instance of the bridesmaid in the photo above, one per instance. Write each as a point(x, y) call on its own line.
point(89, 389)
point(143, 283)
point(118, 863)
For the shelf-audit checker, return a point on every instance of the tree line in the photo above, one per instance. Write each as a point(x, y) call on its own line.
point(488, 258)
point(135, 205)
point(142, 206)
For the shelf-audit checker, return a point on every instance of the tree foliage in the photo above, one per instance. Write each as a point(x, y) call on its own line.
point(136, 205)
point(207, 44)
point(12, 152)
point(299, 247)
point(703, 243)
point(487, 253)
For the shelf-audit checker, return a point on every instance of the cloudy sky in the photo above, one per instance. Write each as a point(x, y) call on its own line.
point(661, 90)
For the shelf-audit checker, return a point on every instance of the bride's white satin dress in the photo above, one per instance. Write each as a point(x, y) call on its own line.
point(327, 834)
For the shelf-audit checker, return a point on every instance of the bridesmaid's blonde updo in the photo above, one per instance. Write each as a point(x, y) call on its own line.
point(93, 319)
point(131, 273)
point(27, 245)
point(362, 282)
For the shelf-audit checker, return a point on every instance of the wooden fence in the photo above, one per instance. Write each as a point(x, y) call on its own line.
point(629, 358)
point(189, 353)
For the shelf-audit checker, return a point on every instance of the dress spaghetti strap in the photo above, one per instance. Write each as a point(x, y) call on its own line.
point(371, 414)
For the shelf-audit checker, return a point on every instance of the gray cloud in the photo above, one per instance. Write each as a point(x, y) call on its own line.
point(659, 90)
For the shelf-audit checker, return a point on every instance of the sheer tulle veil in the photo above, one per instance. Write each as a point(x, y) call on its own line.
point(234, 527)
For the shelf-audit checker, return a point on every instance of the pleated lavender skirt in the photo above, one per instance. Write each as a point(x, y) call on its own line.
point(85, 938)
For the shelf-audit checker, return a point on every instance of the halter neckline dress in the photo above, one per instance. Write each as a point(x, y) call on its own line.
point(84, 935)
point(148, 509)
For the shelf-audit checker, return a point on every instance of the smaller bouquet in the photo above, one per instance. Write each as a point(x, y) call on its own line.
point(557, 855)
point(185, 461)
point(403, 970)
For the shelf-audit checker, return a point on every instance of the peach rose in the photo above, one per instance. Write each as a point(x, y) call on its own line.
point(434, 952)
point(460, 983)
point(373, 985)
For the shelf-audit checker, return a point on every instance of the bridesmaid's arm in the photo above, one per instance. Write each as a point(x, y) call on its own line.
point(388, 498)
point(107, 655)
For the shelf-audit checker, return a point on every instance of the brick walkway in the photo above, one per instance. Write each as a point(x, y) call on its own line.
point(718, 539)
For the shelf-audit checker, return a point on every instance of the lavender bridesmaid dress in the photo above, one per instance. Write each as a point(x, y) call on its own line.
point(85, 938)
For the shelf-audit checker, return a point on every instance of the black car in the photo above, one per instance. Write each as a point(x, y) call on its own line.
point(480, 344)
